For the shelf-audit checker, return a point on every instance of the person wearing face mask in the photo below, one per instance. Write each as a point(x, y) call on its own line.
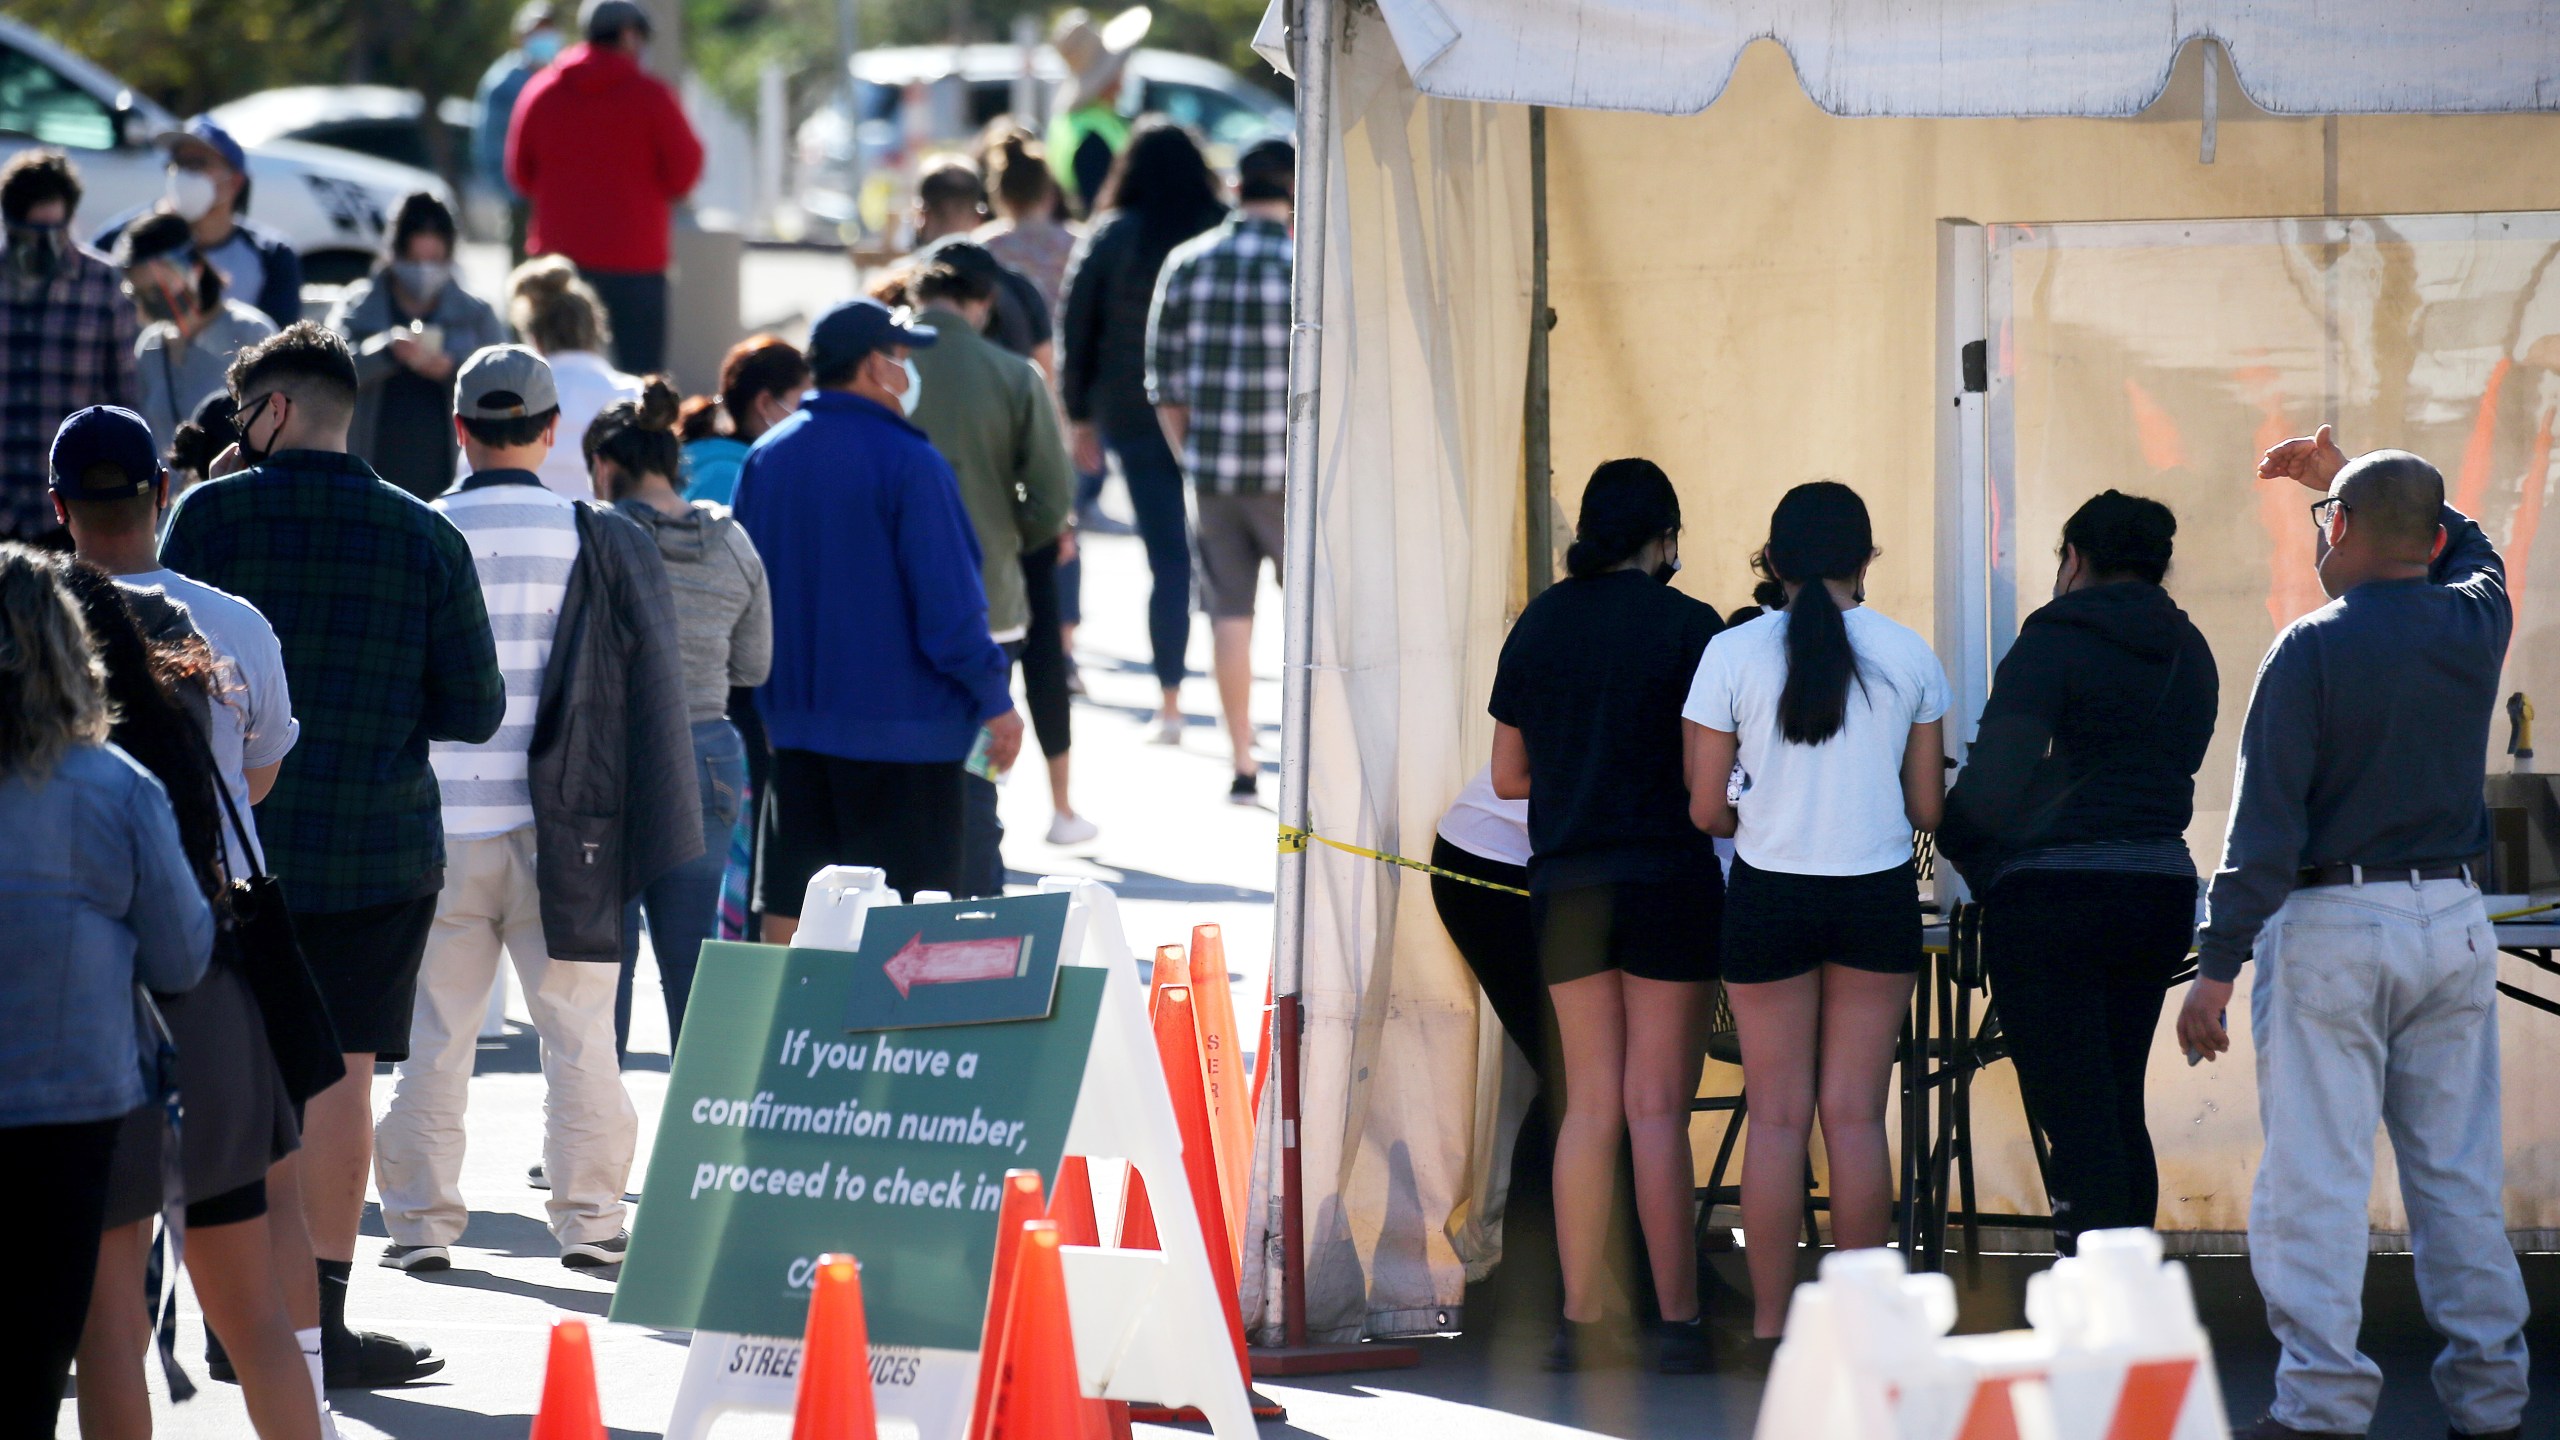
point(1624, 892)
point(411, 325)
point(191, 327)
point(208, 187)
point(66, 332)
point(884, 672)
point(538, 43)
point(760, 383)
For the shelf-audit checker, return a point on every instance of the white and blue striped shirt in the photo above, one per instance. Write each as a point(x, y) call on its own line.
point(524, 539)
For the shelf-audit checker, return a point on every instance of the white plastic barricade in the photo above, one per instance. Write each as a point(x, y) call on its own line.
point(2115, 1353)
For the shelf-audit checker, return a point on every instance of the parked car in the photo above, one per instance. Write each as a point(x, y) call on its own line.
point(917, 100)
point(383, 121)
point(332, 204)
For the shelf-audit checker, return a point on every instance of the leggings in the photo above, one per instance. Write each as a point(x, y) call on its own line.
point(1498, 938)
point(1164, 523)
point(1044, 653)
point(2079, 962)
point(52, 1217)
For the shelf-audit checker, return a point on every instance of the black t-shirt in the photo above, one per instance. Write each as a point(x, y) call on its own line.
point(1593, 677)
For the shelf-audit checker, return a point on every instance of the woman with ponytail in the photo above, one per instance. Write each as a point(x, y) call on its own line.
point(1813, 742)
point(724, 636)
point(1624, 892)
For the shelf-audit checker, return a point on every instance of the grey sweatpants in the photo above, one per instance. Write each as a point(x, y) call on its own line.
point(2375, 1004)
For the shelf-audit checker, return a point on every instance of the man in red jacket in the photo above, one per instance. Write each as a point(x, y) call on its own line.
point(602, 150)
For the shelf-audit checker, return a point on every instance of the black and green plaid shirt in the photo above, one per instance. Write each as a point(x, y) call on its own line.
point(1218, 342)
point(386, 645)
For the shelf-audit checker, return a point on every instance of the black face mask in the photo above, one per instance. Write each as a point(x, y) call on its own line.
point(1664, 571)
point(36, 251)
point(249, 449)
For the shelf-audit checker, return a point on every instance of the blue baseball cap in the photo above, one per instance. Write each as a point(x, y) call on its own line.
point(104, 453)
point(854, 328)
point(203, 131)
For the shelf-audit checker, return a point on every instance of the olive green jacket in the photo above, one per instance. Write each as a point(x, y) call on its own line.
point(988, 411)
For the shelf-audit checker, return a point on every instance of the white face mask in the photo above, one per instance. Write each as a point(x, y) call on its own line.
point(915, 387)
point(191, 193)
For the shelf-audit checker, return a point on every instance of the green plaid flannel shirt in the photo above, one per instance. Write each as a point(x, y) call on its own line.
point(387, 646)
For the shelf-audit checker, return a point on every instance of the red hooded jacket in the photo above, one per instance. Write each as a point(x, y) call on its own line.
point(601, 149)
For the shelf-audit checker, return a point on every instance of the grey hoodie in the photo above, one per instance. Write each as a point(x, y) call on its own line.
point(724, 617)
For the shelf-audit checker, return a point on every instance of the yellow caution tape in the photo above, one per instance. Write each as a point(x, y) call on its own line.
point(1293, 840)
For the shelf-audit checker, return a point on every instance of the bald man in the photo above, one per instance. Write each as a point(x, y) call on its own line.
point(2350, 870)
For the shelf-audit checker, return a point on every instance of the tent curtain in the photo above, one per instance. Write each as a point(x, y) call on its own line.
point(1404, 1130)
point(1986, 57)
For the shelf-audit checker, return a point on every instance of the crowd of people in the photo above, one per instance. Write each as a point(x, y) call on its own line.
point(1677, 801)
point(343, 656)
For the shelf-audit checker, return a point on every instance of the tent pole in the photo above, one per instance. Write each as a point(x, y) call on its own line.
point(1536, 464)
point(1312, 37)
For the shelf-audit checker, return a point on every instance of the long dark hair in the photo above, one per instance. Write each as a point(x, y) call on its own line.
point(1162, 178)
point(154, 685)
point(1627, 504)
point(1819, 532)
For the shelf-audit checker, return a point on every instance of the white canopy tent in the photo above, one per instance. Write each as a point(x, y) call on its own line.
point(1763, 294)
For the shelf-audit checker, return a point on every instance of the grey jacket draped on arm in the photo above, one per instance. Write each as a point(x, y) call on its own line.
point(615, 802)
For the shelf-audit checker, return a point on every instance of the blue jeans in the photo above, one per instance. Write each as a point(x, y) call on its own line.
point(1154, 477)
point(684, 904)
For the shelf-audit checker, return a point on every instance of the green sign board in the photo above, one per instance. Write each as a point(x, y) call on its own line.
point(785, 1137)
point(957, 964)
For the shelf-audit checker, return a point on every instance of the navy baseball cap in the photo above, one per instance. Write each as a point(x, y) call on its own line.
point(104, 453)
point(203, 131)
point(854, 328)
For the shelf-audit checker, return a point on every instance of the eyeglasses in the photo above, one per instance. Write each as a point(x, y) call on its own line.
point(2322, 511)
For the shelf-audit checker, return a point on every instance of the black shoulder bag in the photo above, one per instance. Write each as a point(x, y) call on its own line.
point(299, 1030)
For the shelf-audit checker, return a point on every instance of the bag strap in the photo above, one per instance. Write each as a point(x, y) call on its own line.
point(231, 811)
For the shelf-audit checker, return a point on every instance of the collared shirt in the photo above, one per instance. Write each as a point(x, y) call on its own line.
point(524, 541)
point(378, 607)
point(65, 343)
point(1218, 342)
point(2367, 740)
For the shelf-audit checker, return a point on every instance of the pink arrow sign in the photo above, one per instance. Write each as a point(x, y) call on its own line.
point(952, 962)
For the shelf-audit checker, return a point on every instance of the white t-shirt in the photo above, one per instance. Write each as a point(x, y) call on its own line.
point(1483, 823)
point(1833, 808)
point(253, 724)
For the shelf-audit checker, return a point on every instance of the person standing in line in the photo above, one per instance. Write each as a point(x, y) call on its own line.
point(376, 603)
point(1813, 741)
point(951, 203)
point(1087, 132)
point(2347, 874)
point(724, 635)
point(553, 308)
point(100, 899)
point(208, 187)
point(1624, 891)
point(602, 152)
point(1160, 194)
point(883, 668)
point(538, 42)
point(66, 333)
point(988, 413)
point(582, 800)
point(191, 328)
point(760, 383)
point(1026, 234)
point(411, 325)
point(2070, 820)
point(1218, 371)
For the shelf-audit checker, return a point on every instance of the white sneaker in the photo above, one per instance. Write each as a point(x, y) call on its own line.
point(596, 1254)
point(1168, 731)
point(1071, 830)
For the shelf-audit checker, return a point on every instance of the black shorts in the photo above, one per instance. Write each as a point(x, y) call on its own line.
point(366, 964)
point(1778, 926)
point(823, 810)
point(1652, 929)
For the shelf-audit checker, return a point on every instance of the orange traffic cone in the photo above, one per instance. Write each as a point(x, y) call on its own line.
point(1178, 1047)
point(835, 1359)
point(1171, 969)
point(1038, 1396)
point(1222, 1067)
point(570, 1410)
point(1072, 1206)
point(1021, 1202)
point(1137, 1217)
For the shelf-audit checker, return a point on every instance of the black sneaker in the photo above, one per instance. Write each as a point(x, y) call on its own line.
point(368, 1360)
point(597, 1254)
point(1680, 1347)
point(1747, 1355)
point(1246, 790)
point(416, 1259)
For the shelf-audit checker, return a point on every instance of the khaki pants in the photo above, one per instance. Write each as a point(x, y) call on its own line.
point(589, 1127)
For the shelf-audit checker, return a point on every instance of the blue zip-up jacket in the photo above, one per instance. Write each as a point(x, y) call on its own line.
point(880, 641)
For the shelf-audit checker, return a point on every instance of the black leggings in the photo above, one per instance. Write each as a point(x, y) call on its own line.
point(1044, 652)
point(1497, 937)
point(52, 1215)
point(2079, 962)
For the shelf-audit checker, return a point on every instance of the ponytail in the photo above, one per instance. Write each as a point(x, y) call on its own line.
point(1820, 532)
